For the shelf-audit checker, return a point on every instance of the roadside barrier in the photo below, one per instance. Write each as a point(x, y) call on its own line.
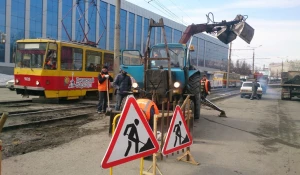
point(114, 123)
point(161, 123)
point(166, 115)
point(2, 121)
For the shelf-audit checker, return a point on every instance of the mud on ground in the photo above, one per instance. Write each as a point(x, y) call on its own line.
point(26, 140)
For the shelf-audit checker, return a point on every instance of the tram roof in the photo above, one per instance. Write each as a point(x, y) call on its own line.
point(57, 41)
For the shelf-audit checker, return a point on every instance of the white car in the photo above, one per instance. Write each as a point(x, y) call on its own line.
point(246, 89)
point(10, 84)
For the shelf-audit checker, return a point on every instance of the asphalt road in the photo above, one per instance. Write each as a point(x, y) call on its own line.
point(259, 137)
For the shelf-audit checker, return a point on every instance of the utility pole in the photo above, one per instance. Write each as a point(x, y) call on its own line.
point(253, 57)
point(228, 65)
point(253, 61)
point(282, 66)
point(117, 39)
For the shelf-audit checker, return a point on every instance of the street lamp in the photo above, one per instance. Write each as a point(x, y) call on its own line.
point(253, 48)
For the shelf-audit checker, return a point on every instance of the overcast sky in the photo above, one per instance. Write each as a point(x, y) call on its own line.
point(276, 23)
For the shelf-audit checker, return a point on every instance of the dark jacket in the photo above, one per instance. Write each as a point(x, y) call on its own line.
point(122, 83)
point(102, 79)
point(255, 86)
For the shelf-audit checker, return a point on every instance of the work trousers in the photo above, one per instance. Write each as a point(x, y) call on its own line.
point(102, 105)
point(254, 94)
point(119, 98)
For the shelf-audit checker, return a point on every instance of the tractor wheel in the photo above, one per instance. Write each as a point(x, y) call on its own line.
point(194, 88)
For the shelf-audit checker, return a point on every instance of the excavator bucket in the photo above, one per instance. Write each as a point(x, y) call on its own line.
point(244, 31)
point(229, 32)
point(226, 35)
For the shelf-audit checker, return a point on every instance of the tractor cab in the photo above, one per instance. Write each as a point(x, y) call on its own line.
point(177, 56)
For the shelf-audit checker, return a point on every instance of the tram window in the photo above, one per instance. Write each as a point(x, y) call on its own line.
point(71, 58)
point(93, 61)
point(109, 61)
point(30, 55)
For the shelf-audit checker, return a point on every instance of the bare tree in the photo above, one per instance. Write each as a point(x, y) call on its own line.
point(294, 65)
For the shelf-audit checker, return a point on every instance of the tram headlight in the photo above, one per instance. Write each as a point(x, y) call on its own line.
point(17, 81)
point(134, 85)
point(176, 84)
point(37, 83)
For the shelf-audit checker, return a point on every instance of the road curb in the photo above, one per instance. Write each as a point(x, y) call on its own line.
point(223, 97)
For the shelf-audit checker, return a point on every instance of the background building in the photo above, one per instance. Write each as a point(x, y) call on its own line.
point(42, 18)
point(275, 69)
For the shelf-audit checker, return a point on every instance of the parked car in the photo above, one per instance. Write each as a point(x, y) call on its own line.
point(10, 84)
point(246, 89)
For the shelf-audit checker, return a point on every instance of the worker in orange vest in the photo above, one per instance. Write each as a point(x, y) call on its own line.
point(103, 87)
point(205, 87)
point(149, 108)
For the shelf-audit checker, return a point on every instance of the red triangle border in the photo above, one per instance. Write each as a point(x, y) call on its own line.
point(105, 163)
point(164, 150)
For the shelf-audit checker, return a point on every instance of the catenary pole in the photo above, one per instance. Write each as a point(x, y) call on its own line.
point(117, 39)
point(228, 66)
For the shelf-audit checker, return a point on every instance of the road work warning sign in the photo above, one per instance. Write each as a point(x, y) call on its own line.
point(178, 136)
point(132, 139)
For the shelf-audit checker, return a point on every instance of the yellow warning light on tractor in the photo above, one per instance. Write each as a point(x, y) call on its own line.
point(192, 49)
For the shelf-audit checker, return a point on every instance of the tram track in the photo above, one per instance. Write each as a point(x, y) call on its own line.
point(21, 119)
point(15, 101)
point(37, 117)
point(23, 136)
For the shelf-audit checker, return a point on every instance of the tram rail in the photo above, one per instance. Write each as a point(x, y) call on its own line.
point(25, 119)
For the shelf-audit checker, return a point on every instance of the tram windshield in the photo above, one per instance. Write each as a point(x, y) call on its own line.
point(176, 56)
point(30, 55)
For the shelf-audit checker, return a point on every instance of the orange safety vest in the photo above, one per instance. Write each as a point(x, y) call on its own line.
point(145, 106)
point(103, 86)
point(204, 83)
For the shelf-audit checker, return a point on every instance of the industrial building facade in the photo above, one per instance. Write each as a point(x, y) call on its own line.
point(58, 20)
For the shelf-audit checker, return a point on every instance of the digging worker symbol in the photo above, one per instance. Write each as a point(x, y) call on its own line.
point(132, 136)
point(177, 131)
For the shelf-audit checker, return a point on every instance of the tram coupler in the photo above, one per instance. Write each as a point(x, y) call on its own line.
point(25, 95)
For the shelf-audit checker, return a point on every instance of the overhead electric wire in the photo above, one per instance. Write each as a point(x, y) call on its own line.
point(169, 11)
point(181, 10)
point(159, 6)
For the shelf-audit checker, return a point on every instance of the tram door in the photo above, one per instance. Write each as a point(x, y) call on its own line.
point(50, 73)
point(71, 69)
point(108, 60)
point(93, 66)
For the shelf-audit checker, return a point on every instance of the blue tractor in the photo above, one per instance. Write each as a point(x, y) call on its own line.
point(165, 72)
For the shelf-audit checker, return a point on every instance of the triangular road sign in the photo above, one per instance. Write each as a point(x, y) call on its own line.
point(178, 136)
point(133, 137)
